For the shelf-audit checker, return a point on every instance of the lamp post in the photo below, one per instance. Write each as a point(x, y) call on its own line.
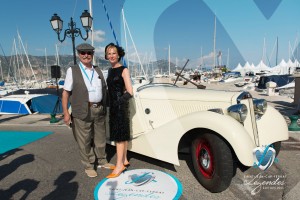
point(72, 31)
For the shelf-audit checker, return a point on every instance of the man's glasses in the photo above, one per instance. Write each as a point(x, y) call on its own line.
point(86, 52)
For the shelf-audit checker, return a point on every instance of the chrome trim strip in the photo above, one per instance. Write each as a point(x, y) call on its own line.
point(243, 95)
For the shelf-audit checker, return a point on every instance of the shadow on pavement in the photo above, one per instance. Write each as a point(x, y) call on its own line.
point(111, 151)
point(9, 153)
point(7, 118)
point(27, 185)
point(7, 169)
point(65, 189)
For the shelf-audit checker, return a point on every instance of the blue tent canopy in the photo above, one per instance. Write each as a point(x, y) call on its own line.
point(46, 104)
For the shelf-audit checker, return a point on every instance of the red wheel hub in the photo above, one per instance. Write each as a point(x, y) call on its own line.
point(205, 159)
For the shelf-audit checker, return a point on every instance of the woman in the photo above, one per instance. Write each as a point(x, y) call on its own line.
point(120, 91)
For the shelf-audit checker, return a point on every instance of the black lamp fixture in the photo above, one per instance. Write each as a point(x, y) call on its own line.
point(72, 31)
point(86, 20)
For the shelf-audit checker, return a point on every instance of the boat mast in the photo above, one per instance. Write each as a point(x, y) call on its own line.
point(215, 33)
point(27, 57)
point(138, 57)
point(276, 51)
point(169, 61)
point(227, 63)
point(17, 66)
point(201, 60)
point(264, 53)
point(57, 55)
point(46, 64)
point(20, 57)
point(9, 66)
point(1, 70)
point(92, 27)
point(125, 36)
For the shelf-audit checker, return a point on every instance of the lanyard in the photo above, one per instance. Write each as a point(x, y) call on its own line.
point(86, 73)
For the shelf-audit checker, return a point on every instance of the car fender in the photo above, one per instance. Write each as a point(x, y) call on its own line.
point(162, 142)
point(272, 127)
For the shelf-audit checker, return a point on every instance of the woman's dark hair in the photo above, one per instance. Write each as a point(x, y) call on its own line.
point(120, 50)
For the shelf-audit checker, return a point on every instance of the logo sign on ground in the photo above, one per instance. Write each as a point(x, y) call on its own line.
point(264, 157)
point(139, 184)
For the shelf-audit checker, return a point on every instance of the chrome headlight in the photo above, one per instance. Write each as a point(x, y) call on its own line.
point(238, 112)
point(217, 110)
point(260, 106)
point(243, 95)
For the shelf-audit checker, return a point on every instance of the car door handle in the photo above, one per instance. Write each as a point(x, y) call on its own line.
point(151, 123)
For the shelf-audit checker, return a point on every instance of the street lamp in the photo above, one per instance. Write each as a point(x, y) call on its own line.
point(72, 31)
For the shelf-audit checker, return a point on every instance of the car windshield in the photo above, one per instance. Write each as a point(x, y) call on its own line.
point(155, 85)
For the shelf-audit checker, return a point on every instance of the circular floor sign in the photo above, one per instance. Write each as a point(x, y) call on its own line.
point(139, 184)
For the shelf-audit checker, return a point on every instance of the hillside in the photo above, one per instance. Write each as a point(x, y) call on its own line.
point(20, 68)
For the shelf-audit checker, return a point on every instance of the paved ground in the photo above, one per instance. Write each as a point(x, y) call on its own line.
point(50, 168)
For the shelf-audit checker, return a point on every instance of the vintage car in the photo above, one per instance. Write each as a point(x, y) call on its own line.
point(220, 129)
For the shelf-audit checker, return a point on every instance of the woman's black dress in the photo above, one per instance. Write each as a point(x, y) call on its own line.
point(118, 110)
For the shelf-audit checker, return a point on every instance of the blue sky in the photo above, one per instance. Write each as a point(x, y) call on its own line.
point(245, 30)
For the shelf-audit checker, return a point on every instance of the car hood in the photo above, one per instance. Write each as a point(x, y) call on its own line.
point(190, 94)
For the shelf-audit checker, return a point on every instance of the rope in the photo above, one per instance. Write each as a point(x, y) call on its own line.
point(111, 26)
point(112, 29)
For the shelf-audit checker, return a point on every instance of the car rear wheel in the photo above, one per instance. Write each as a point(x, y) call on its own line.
point(213, 162)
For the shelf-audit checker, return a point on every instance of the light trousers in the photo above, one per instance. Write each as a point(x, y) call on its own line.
point(90, 135)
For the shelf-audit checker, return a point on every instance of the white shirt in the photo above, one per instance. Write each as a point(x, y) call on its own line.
point(92, 82)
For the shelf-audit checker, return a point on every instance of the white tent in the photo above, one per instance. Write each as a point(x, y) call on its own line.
point(262, 67)
point(290, 63)
point(282, 63)
point(296, 63)
point(282, 68)
point(238, 68)
point(247, 66)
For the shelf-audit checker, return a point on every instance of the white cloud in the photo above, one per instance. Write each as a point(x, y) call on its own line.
point(99, 36)
point(99, 51)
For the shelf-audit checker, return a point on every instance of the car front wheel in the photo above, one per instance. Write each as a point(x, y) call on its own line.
point(213, 162)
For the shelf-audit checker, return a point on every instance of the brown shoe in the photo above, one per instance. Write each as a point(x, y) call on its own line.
point(91, 173)
point(106, 165)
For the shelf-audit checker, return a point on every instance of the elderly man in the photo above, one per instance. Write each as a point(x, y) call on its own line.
point(86, 88)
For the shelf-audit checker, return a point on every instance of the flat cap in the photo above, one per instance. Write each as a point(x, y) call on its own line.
point(85, 47)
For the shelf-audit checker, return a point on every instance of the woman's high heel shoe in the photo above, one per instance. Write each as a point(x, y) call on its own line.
point(125, 165)
point(112, 175)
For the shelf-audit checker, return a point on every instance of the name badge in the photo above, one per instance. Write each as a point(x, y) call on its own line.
point(92, 89)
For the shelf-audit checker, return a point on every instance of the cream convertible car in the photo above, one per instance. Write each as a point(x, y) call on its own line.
point(218, 128)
